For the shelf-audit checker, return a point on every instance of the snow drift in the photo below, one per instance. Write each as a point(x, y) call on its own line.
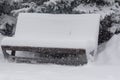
point(111, 53)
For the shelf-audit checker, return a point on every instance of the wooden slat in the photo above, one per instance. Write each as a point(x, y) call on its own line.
point(64, 56)
point(45, 49)
point(63, 61)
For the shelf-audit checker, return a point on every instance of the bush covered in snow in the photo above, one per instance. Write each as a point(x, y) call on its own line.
point(7, 24)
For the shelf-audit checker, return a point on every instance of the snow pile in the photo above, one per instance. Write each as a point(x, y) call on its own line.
point(62, 31)
point(111, 53)
point(54, 72)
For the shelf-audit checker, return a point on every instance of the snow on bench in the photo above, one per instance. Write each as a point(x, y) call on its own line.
point(71, 31)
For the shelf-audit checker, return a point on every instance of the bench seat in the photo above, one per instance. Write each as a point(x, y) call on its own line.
point(83, 44)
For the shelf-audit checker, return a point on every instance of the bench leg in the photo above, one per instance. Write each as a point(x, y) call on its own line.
point(6, 55)
point(13, 53)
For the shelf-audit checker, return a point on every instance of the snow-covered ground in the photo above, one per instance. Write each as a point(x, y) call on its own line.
point(107, 67)
point(13, 71)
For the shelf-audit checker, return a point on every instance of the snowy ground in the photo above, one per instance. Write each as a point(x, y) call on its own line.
point(13, 71)
point(106, 67)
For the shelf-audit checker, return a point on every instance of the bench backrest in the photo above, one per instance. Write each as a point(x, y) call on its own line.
point(64, 27)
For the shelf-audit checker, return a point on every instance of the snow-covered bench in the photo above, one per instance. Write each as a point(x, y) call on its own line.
point(55, 34)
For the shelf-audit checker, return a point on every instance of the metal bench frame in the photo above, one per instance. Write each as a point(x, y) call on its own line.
point(70, 56)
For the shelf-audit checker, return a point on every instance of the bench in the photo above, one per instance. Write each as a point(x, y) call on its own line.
point(68, 35)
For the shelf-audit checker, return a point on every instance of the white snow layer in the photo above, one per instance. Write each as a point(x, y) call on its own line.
point(54, 72)
point(14, 71)
point(111, 54)
point(62, 31)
